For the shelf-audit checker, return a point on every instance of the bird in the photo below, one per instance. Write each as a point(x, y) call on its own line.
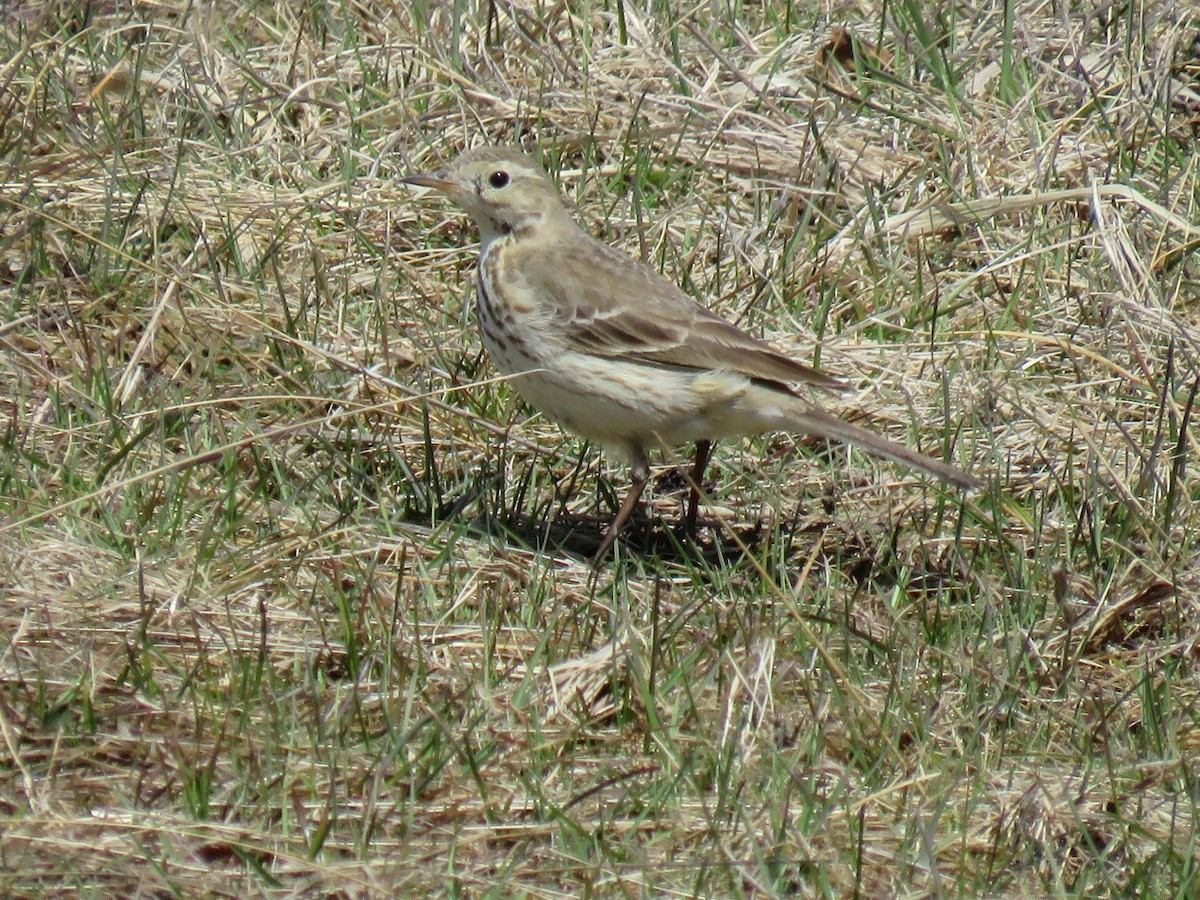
point(613, 351)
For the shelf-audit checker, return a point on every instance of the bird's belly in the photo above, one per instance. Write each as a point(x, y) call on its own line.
point(624, 404)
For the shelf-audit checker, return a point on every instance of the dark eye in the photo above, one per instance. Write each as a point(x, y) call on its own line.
point(498, 179)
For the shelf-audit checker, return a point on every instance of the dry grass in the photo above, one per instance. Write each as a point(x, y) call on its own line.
point(284, 606)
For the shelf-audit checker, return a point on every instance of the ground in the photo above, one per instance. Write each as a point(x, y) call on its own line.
point(295, 591)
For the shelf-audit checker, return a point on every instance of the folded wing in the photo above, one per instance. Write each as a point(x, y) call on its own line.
point(630, 311)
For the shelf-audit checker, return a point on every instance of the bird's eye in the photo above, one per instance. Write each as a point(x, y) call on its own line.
point(498, 179)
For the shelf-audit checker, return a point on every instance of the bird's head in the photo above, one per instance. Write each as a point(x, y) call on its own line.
point(504, 190)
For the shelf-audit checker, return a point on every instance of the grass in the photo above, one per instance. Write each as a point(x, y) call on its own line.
point(286, 602)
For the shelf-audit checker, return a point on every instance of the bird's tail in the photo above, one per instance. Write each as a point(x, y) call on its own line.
point(815, 421)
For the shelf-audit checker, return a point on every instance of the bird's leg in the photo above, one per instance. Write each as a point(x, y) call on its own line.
point(703, 451)
point(640, 472)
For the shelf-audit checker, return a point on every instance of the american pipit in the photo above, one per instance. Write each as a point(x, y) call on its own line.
point(612, 350)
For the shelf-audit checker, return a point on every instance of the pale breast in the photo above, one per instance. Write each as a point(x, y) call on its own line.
point(504, 319)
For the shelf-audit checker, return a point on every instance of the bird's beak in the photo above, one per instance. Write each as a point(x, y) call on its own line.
point(437, 181)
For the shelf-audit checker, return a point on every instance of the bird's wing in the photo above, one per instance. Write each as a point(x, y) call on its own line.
point(610, 305)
